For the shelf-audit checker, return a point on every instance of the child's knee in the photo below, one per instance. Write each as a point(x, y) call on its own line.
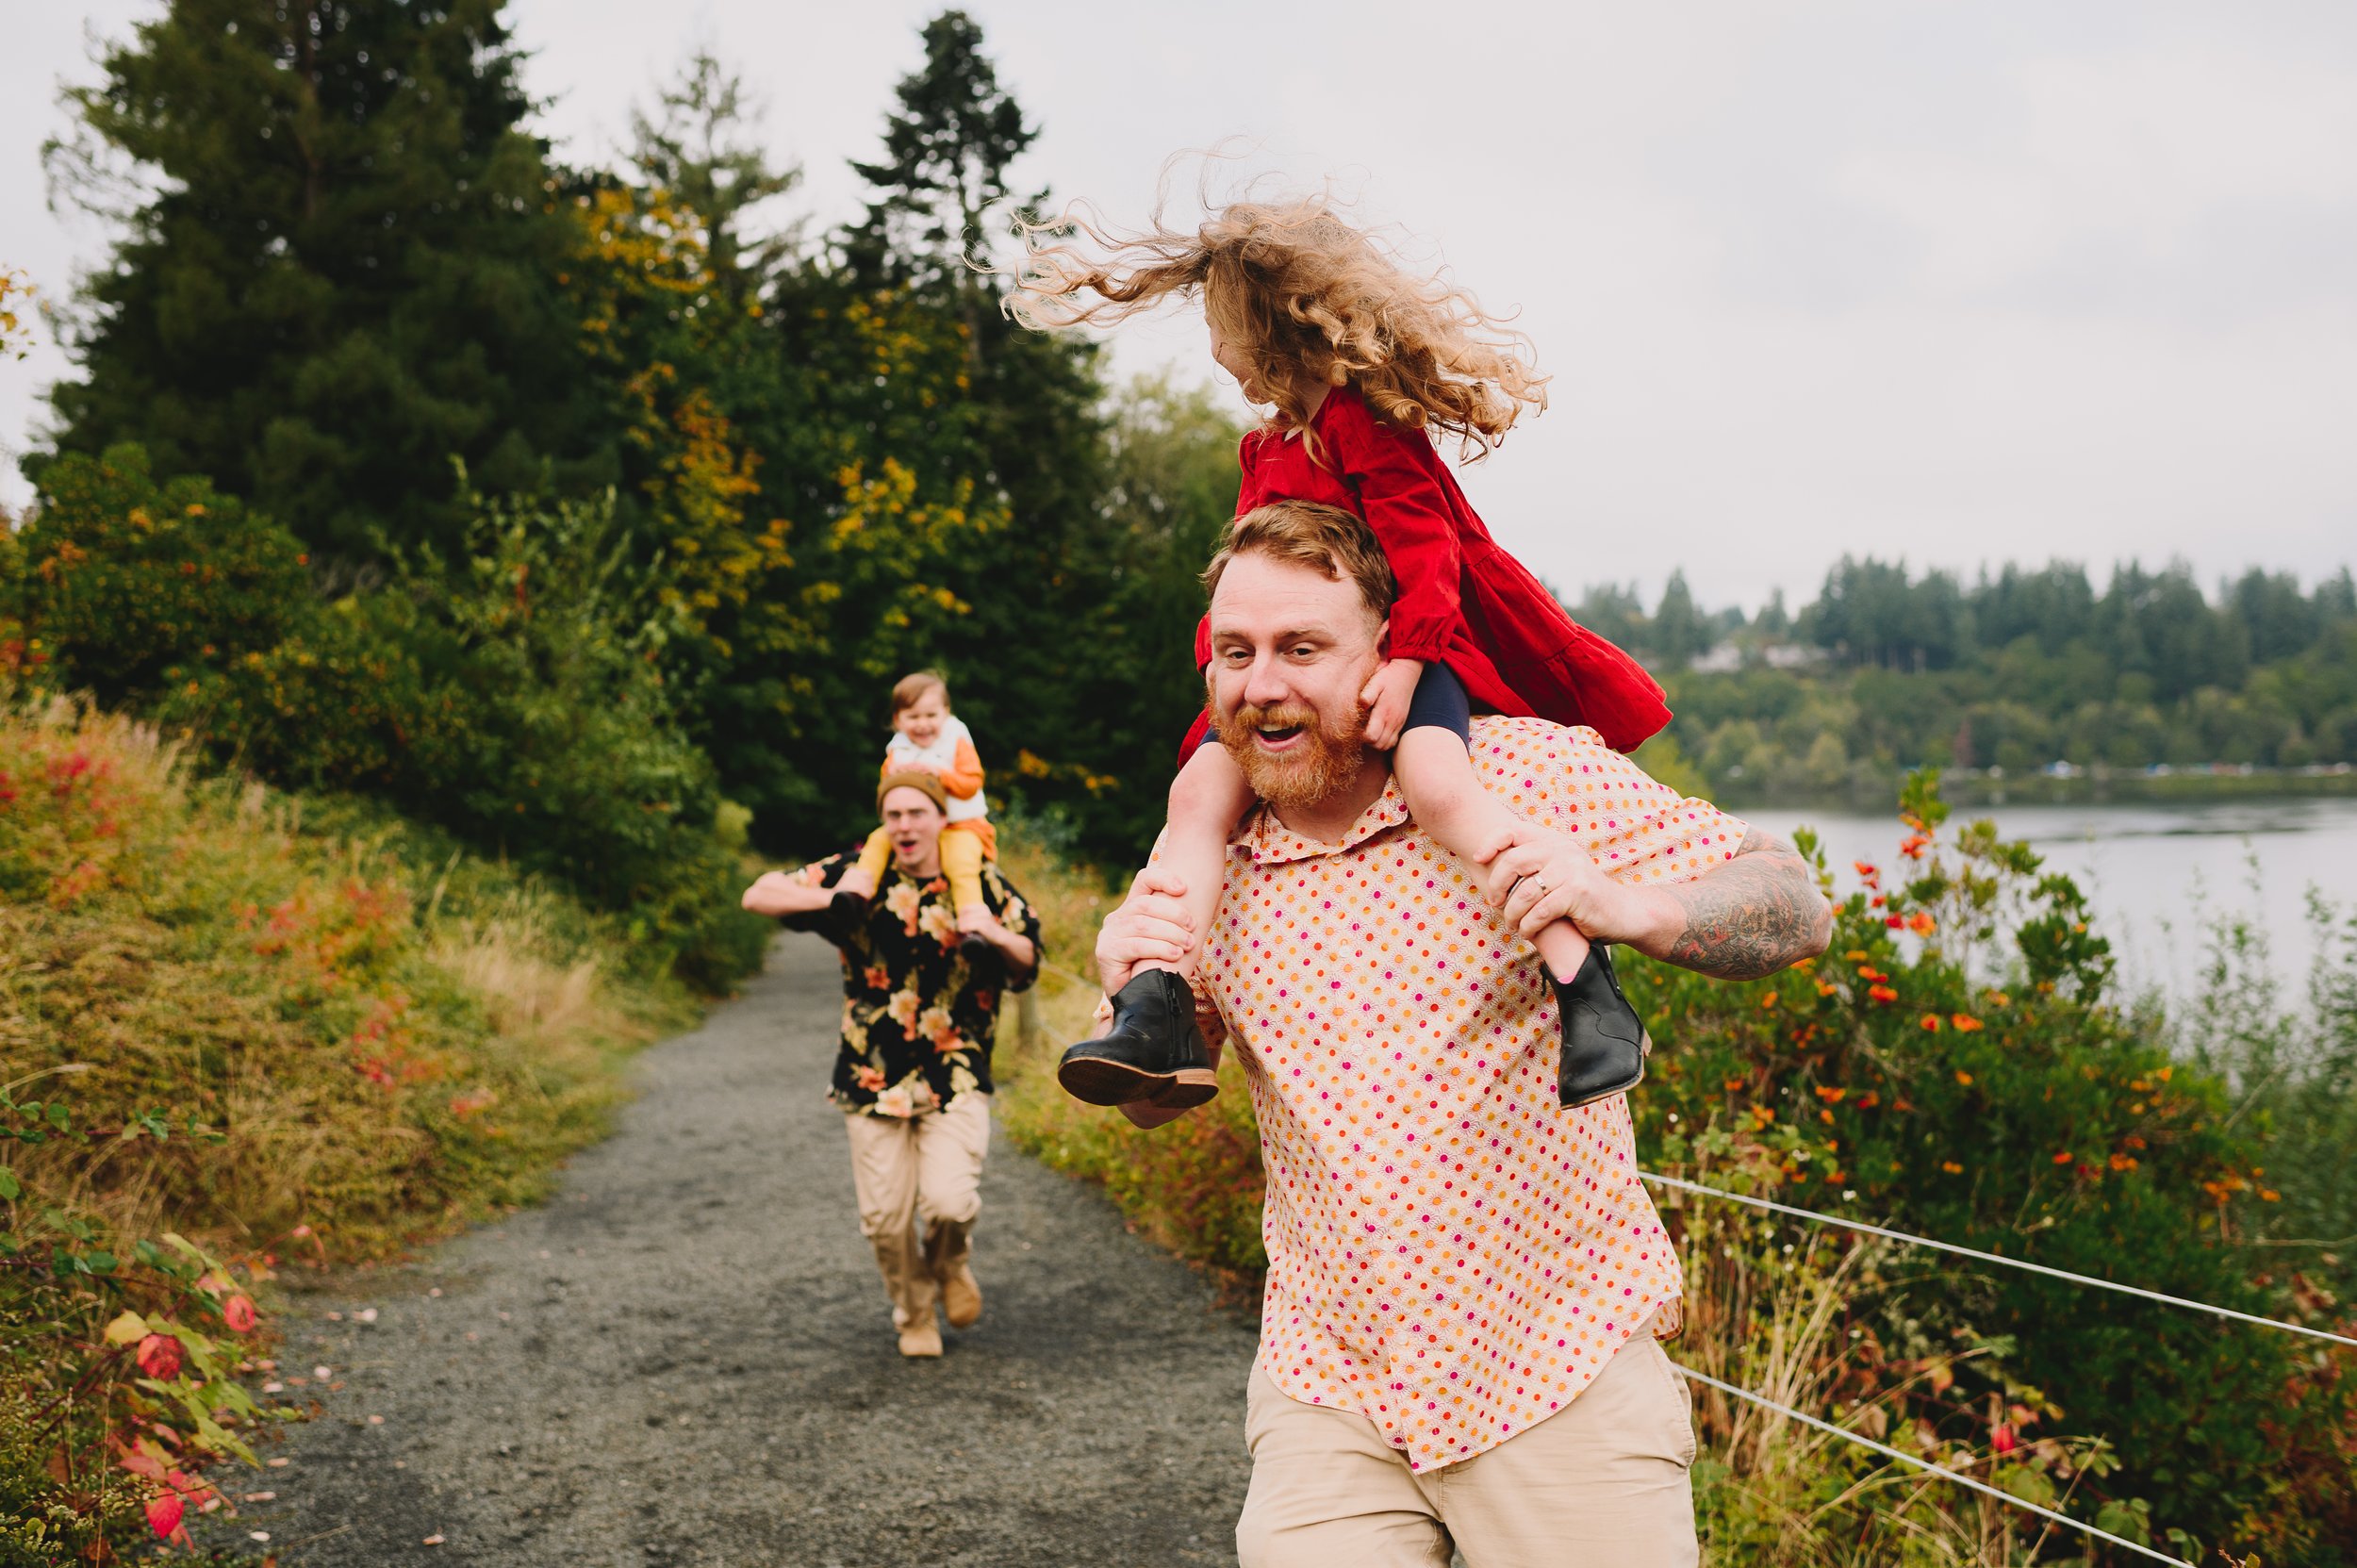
point(1210, 788)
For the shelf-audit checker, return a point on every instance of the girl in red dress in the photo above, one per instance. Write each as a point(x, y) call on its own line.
point(1359, 361)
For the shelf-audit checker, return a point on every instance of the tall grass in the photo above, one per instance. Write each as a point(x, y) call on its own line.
point(281, 1028)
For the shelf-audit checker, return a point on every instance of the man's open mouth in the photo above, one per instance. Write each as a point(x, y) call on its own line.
point(1275, 735)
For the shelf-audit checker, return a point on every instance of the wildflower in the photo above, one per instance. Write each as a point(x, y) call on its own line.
point(1931, 1023)
point(1921, 923)
point(160, 1356)
point(1857, 955)
point(1965, 1023)
point(2064, 1158)
point(1830, 1095)
point(1826, 988)
point(2269, 1194)
point(1882, 993)
point(1867, 872)
point(2001, 1440)
point(1894, 921)
point(1964, 1078)
point(1768, 1002)
point(1913, 846)
point(1952, 1167)
point(238, 1311)
point(1732, 1084)
point(2123, 1161)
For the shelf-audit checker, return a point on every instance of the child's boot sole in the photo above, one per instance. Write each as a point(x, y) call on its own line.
point(1189, 1088)
point(1100, 1081)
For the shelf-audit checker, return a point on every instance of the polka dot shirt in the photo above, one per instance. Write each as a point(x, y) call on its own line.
point(1451, 1254)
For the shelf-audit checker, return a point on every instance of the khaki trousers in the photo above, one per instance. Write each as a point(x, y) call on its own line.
point(1602, 1482)
point(919, 1170)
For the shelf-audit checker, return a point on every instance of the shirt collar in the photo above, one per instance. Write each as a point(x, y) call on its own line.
point(1269, 842)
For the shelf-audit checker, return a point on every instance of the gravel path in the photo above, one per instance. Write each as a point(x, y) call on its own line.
point(686, 1359)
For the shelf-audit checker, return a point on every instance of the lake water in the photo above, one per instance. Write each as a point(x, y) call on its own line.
point(2157, 874)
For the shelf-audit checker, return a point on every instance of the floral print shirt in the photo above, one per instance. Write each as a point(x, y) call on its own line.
point(917, 1022)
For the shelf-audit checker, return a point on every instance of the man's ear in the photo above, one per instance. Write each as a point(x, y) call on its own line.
point(1383, 639)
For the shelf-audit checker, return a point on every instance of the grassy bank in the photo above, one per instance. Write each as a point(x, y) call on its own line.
point(1959, 1065)
point(280, 1029)
point(1195, 1186)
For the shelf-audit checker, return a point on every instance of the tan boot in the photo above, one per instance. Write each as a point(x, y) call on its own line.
point(961, 1297)
point(922, 1339)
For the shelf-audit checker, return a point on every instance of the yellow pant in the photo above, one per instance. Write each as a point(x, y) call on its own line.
point(963, 850)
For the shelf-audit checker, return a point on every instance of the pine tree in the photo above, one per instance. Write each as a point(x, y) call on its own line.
point(947, 151)
point(339, 265)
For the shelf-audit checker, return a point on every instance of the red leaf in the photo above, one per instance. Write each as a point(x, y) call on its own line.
point(163, 1515)
point(238, 1311)
point(160, 1356)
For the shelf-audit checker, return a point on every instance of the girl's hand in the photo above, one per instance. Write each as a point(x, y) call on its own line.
point(1385, 696)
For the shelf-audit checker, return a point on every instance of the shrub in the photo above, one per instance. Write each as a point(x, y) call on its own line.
point(120, 577)
point(511, 695)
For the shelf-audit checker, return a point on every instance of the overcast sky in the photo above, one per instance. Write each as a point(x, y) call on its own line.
point(1966, 283)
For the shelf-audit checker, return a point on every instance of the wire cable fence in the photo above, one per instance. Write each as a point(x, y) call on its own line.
point(1889, 1452)
point(1817, 1217)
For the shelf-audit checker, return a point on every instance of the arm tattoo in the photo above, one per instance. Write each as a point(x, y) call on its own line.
point(1753, 915)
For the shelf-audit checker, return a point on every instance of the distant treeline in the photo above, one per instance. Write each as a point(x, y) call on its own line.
point(1887, 670)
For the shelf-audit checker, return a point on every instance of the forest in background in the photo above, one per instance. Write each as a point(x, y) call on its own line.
point(586, 511)
point(1888, 670)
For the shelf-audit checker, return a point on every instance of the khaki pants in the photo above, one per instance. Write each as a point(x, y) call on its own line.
point(923, 1170)
point(1601, 1482)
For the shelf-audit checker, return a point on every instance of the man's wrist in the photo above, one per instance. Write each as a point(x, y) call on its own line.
point(1654, 918)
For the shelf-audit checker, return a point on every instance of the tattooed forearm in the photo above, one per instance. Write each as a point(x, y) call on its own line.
point(1753, 915)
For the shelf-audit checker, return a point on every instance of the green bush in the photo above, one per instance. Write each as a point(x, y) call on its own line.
point(1960, 1067)
point(512, 695)
point(120, 577)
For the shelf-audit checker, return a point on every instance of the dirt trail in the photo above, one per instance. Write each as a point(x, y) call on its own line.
point(685, 1359)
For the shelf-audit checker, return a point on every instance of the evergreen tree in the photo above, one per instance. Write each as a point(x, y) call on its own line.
point(339, 265)
point(1679, 635)
point(1026, 437)
point(947, 151)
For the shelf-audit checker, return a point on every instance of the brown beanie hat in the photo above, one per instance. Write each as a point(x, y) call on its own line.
point(918, 779)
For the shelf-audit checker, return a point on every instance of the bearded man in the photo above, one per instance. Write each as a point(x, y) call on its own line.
point(1466, 1282)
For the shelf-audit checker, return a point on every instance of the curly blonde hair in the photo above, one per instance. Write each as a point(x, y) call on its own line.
point(1307, 297)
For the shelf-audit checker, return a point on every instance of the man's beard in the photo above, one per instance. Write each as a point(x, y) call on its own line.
point(1324, 763)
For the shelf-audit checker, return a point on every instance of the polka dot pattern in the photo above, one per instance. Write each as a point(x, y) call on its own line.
point(1451, 1254)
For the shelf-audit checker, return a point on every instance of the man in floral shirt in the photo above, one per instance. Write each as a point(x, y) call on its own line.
point(912, 1073)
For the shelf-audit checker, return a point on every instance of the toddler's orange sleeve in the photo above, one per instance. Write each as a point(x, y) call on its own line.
point(964, 777)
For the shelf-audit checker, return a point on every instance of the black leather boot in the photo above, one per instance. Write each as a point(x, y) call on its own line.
point(1153, 1051)
point(983, 959)
point(1603, 1043)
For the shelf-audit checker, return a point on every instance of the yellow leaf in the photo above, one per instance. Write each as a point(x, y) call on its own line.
point(127, 1329)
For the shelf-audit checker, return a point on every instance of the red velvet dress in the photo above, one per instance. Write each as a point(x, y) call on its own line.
point(1463, 602)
